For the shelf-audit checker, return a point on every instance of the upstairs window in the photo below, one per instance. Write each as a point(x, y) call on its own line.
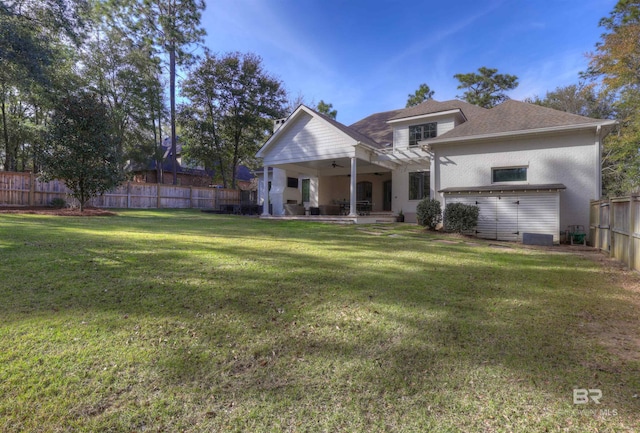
point(513, 174)
point(422, 132)
point(418, 185)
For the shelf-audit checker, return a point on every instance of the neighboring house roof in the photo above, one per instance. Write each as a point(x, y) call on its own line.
point(244, 173)
point(376, 127)
point(166, 145)
point(514, 116)
point(167, 167)
point(431, 106)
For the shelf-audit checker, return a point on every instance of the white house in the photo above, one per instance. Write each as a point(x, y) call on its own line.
point(530, 169)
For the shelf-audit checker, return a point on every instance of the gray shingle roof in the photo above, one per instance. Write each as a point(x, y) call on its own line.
point(512, 116)
point(376, 127)
point(432, 106)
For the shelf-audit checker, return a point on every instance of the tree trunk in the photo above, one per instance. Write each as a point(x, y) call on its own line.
point(172, 96)
point(5, 133)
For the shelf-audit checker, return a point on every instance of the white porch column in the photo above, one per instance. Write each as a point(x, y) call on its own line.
point(265, 192)
point(353, 210)
point(432, 178)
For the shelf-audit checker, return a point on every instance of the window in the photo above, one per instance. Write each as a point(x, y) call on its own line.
point(306, 190)
point(515, 174)
point(364, 191)
point(418, 185)
point(292, 182)
point(422, 132)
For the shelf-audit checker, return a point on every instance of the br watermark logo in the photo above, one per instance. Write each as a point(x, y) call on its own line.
point(586, 396)
point(589, 397)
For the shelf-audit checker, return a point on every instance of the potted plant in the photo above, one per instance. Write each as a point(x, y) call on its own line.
point(400, 217)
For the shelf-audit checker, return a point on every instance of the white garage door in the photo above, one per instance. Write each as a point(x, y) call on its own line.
point(506, 217)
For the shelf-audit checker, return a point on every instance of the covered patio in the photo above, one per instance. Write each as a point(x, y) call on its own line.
point(340, 187)
point(315, 166)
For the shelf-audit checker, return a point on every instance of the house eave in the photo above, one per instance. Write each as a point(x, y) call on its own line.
point(503, 188)
point(427, 116)
point(605, 125)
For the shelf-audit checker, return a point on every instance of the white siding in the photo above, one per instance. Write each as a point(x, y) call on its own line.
point(401, 131)
point(446, 125)
point(309, 138)
point(565, 159)
point(401, 137)
point(400, 190)
point(507, 217)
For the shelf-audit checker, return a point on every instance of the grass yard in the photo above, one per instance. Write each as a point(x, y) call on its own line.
point(175, 321)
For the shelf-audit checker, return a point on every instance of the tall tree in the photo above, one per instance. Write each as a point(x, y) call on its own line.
point(326, 109)
point(486, 88)
point(581, 99)
point(232, 103)
point(34, 35)
point(173, 27)
point(125, 74)
point(423, 93)
point(617, 57)
point(80, 148)
point(616, 63)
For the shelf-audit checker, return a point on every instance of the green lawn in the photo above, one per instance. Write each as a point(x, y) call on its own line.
point(184, 321)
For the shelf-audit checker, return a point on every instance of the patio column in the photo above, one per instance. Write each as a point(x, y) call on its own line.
point(352, 197)
point(265, 192)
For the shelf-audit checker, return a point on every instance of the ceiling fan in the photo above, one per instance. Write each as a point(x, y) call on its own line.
point(335, 164)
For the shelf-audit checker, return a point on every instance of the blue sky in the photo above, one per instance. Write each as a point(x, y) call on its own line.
point(367, 56)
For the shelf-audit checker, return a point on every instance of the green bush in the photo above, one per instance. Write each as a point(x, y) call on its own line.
point(58, 203)
point(460, 217)
point(429, 213)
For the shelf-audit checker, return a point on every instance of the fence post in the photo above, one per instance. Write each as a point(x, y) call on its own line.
point(598, 222)
point(190, 196)
point(158, 202)
point(32, 189)
point(611, 224)
point(631, 230)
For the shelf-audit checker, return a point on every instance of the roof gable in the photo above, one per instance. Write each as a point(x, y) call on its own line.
point(307, 135)
point(303, 111)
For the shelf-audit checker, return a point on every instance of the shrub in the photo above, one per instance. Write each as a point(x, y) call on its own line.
point(58, 203)
point(460, 217)
point(429, 213)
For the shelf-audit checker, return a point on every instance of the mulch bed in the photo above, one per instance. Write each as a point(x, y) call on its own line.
point(54, 211)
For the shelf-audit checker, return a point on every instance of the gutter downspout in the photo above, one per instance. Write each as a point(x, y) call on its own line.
point(598, 174)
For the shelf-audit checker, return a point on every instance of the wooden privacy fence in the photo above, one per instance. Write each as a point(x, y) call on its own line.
point(24, 189)
point(615, 228)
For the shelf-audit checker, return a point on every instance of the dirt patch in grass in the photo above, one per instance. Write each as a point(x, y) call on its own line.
point(619, 335)
point(55, 211)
